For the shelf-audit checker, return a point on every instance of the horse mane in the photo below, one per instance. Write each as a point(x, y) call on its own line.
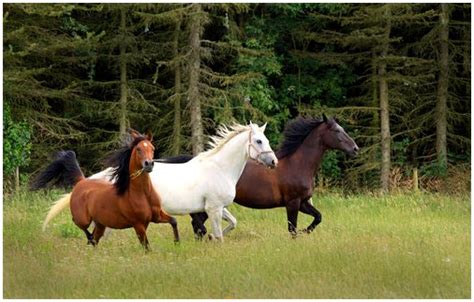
point(295, 133)
point(120, 160)
point(223, 136)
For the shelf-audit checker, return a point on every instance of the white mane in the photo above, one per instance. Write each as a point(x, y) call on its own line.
point(223, 136)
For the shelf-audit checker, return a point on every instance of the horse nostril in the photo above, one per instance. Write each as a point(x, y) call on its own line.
point(149, 163)
point(274, 163)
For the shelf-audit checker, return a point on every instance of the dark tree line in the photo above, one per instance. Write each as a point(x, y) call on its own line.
point(397, 76)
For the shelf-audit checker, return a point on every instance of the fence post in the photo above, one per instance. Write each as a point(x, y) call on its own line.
point(415, 179)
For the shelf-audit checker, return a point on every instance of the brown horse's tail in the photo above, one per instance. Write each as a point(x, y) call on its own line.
point(64, 171)
point(58, 206)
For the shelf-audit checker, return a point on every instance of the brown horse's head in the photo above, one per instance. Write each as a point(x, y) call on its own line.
point(142, 152)
point(130, 161)
point(334, 137)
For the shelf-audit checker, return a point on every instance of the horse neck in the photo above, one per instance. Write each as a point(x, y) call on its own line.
point(141, 183)
point(233, 156)
point(309, 155)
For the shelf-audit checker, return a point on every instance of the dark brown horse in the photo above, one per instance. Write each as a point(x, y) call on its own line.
point(291, 184)
point(130, 202)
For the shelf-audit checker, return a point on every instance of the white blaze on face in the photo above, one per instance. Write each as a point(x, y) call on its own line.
point(145, 144)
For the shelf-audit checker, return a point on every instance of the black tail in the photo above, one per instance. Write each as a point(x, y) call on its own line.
point(175, 160)
point(64, 171)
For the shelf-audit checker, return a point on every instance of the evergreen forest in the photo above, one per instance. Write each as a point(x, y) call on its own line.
point(395, 76)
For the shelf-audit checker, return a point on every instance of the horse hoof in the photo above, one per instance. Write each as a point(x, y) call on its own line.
point(211, 237)
point(293, 235)
point(92, 242)
point(177, 242)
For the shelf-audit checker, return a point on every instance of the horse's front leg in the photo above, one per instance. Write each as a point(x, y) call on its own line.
point(215, 216)
point(163, 217)
point(292, 208)
point(307, 208)
point(140, 229)
point(227, 216)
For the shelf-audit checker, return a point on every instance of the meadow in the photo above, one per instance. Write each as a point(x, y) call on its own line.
point(368, 246)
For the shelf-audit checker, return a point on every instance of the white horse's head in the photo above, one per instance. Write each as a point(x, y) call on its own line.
point(259, 147)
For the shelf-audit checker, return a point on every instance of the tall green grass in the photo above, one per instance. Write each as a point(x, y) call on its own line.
point(368, 246)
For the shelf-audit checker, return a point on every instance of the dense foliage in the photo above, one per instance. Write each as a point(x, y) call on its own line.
point(16, 143)
point(79, 74)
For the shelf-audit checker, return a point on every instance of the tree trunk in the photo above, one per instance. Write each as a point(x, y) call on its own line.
point(442, 93)
point(123, 73)
point(384, 107)
point(194, 71)
point(375, 122)
point(176, 144)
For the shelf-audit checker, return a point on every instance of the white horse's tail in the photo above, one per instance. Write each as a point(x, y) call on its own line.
point(58, 206)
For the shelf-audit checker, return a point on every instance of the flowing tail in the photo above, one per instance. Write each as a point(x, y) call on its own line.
point(57, 208)
point(64, 170)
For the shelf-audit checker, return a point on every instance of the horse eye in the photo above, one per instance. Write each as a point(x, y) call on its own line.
point(259, 142)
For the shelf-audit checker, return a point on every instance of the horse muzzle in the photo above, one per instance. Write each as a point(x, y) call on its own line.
point(268, 160)
point(148, 166)
point(353, 151)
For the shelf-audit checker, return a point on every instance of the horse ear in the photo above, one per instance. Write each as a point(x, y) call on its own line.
point(263, 127)
point(149, 135)
point(133, 133)
point(325, 118)
point(253, 127)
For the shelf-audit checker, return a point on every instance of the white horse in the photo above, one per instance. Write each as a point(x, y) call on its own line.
point(207, 182)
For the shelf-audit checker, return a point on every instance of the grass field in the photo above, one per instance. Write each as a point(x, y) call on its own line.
point(400, 246)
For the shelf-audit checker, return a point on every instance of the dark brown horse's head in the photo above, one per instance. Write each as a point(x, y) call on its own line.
point(142, 151)
point(335, 137)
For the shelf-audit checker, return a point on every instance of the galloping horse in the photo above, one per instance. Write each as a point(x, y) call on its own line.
point(291, 184)
point(207, 182)
point(130, 202)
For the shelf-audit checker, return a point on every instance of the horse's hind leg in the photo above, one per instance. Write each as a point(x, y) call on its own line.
point(98, 232)
point(227, 216)
point(307, 208)
point(140, 229)
point(83, 224)
point(197, 222)
point(165, 218)
point(89, 236)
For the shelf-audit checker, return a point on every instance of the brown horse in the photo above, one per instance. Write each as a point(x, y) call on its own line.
point(291, 184)
point(130, 202)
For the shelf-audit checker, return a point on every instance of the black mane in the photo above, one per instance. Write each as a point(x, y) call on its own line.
point(295, 133)
point(120, 160)
point(179, 159)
